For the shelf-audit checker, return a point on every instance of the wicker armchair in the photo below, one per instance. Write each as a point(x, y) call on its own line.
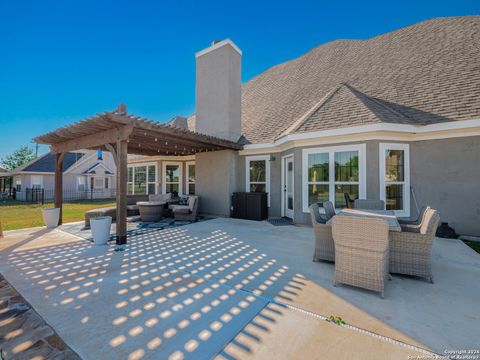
point(361, 252)
point(418, 220)
point(369, 204)
point(324, 246)
point(349, 202)
point(410, 251)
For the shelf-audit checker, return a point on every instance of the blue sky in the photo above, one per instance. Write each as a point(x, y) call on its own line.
point(61, 61)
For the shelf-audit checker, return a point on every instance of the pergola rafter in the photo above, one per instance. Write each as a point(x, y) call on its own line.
point(122, 134)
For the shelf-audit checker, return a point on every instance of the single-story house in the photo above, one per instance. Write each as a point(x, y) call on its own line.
point(395, 117)
point(85, 173)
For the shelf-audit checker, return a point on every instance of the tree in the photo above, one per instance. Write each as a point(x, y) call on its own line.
point(18, 158)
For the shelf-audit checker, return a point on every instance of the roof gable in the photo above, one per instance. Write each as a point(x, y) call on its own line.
point(421, 74)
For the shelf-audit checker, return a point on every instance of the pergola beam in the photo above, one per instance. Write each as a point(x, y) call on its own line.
point(94, 140)
point(120, 134)
point(58, 200)
point(121, 154)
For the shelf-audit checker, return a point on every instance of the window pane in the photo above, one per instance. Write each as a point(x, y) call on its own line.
point(172, 173)
point(317, 193)
point(191, 173)
point(151, 189)
point(130, 174)
point(340, 190)
point(257, 187)
point(172, 188)
point(151, 173)
point(346, 166)
point(129, 188)
point(140, 180)
point(394, 196)
point(257, 171)
point(191, 189)
point(318, 167)
point(98, 184)
point(394, 165)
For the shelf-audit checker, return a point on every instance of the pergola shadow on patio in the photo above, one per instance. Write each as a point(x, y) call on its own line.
point(123, 134)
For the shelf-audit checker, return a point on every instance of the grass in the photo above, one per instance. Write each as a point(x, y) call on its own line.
point(475, 245)
point(24, 216)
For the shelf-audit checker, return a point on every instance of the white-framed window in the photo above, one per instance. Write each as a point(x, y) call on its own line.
point(394, 165)
point(331, 172)
point(18, 184)
point(36, 181)
point(190, 177)
point(98, 183)
point(257, 169)
point(172, 177)
point(142, 179)
point(81, 183)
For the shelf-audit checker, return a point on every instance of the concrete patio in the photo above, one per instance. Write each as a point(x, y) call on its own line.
point(235, 289)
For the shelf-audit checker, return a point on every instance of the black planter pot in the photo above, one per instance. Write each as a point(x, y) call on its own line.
point(445, 231)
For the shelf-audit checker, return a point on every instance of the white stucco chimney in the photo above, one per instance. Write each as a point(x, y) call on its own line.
point(219, 90)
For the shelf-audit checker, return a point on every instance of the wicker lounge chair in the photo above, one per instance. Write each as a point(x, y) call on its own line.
point(186, 212)
point(369, 204)
point(324, 246)
point(410, 251)
point(361, 252)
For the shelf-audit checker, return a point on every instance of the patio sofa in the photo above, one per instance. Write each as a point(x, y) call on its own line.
point(132, 209)
point(187, 212)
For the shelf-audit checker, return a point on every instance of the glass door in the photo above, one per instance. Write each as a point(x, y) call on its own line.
point(288, 187)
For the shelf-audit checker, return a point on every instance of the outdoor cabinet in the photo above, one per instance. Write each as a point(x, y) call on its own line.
point(250, 205)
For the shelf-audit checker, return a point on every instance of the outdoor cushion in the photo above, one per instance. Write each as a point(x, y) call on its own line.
point(182, 210)
point(191, 202)
point(183, 200)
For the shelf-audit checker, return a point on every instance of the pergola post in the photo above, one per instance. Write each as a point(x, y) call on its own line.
point(121, 154)
point(59, 184)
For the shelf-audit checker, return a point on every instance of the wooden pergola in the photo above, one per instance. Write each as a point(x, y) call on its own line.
point(123, 134)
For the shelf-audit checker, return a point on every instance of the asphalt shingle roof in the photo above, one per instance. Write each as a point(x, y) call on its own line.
point(422, 74)
point(47, 163)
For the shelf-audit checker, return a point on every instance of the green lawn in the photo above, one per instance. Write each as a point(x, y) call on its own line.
point(475, 245)
point(25, 216)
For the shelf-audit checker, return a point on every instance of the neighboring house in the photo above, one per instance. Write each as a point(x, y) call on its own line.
point(395, 117)
point(85, 173)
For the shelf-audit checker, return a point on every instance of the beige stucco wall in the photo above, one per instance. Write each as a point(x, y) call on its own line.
point(444, 174)
point(219, 93)
point(216, 179)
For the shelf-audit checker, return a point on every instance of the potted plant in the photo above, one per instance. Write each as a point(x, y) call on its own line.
point(51, 217)
point(101, 229)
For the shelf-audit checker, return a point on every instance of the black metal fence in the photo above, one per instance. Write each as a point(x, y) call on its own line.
point(47, 196)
